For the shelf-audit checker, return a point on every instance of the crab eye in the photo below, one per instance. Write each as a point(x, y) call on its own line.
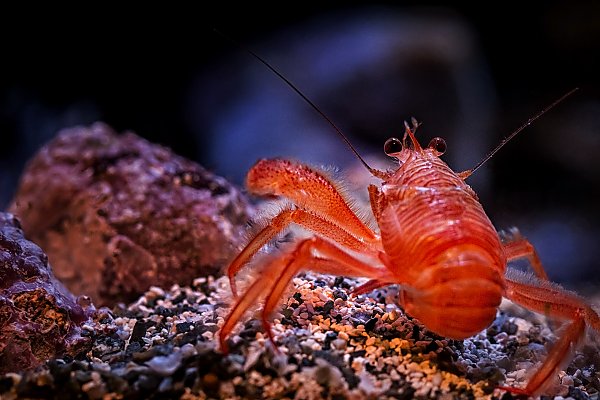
point(438, 144)
point(392, 145)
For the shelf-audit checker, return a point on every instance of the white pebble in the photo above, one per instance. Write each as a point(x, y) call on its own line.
point(501, 337)
point(165, 365)
point(567, 380)
point(436, 379)
point(324, 297)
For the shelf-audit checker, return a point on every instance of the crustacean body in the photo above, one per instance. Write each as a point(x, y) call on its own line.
point(434, 240)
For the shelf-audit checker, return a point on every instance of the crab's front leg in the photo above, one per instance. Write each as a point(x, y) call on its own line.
point(318, 207)
point(315, 254)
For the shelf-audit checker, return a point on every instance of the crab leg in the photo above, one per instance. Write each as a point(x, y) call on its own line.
point(279, 223)
point(310, 190)
point(321, 209)
point(371, 285)
point(280, 271)
point(519, 247)
point(554, 301)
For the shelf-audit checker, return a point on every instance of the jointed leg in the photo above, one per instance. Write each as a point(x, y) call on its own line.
point(371, 285)
point(330, 260)
point(376, 199)
point(282, 221)
point(554, 301)
point(516, 246)
point(248, 299)
point(310, 190)
point(280, 271)
point(321, 209)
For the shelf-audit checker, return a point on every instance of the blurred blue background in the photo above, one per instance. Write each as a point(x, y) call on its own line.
point(470, 75)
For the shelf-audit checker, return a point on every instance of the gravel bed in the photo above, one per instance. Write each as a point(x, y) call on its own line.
point(330, 346)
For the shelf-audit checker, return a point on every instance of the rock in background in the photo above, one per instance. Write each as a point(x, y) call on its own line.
point(117, 214)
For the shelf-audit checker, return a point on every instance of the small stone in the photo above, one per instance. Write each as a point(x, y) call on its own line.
point(501, 337)
point(188, 350)
point(308, 345)
point(522, 338)
point(184, 327)
point(436, 379)
point(327, 307)
point(211, 381)
point(165, 385)
point(567, 380)
point(339, 344)
point(165, 365)
point(370, 324)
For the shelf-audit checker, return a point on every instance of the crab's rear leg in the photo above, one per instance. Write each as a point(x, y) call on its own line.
point(319, 207)
point(279, 272)
point(555, 302)
point(370, 285)
point(517, 247)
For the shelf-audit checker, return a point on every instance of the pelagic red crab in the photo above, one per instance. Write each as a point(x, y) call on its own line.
point(433, 239)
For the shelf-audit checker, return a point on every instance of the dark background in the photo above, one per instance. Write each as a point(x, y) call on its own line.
point(472, 75)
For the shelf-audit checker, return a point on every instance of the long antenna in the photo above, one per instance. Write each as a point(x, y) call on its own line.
point(313, 105)
point(468, 173)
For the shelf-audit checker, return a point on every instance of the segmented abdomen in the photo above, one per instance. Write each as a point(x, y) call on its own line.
point(443, 248)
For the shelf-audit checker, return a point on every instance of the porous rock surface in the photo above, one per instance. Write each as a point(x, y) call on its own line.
point(39, 318)
point(117, 214)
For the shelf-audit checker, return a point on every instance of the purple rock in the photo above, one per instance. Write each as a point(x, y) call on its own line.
point(39, 318)
point(117, 214)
